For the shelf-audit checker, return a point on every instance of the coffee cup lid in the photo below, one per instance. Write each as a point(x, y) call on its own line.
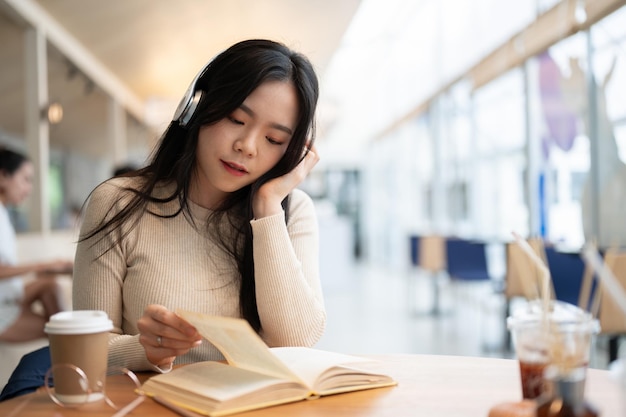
point(79, 322)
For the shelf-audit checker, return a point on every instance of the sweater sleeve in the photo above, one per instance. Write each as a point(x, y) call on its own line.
point(286, 263)
point(99, 272)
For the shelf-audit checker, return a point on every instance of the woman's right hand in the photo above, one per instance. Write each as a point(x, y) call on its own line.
point(164, 335)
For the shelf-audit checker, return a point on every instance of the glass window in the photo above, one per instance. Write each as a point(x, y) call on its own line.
point(500, 114)
point(498, 196)
point(558, 80)
point(608, 39)
point(497, 186)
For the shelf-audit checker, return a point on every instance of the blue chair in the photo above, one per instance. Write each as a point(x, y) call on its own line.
point(467, 264)
point(567, 270)
point(414, 250)
point(466, 260)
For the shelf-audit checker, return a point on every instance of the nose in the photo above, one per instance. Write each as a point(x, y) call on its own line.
point(246, 144)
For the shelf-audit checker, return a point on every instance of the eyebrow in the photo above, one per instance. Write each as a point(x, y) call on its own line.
point(278, 126)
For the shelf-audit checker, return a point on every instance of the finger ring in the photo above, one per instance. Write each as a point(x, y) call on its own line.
point(159, 341)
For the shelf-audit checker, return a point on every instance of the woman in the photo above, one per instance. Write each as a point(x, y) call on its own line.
point(18, 321)
point(214, 223)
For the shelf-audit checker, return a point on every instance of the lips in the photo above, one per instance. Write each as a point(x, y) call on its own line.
point(234, 168)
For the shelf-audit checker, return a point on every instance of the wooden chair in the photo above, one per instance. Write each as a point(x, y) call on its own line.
point(523, 279)
point(602, 305)
point(612, 319)
point(432, 253)
point(431, 258)
point(573, 282)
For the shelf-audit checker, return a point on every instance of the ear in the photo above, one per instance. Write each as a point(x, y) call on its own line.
point(3, 178)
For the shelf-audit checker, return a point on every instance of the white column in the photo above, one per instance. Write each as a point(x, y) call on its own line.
point(533, 153)
point(440, 220)
point(594, 150)
point(37, 129)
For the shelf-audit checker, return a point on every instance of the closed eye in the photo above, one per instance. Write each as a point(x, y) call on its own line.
point(273, 141)
point(235, 121)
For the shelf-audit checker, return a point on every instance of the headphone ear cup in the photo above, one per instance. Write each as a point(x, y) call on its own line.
point(187, 108)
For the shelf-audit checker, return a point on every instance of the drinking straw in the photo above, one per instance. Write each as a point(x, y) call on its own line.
point(613, 287)
point(545, 272)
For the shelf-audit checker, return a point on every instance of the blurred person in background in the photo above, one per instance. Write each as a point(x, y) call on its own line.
point(25, 305)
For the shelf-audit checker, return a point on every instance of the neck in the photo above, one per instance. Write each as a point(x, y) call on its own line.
point(208, 198)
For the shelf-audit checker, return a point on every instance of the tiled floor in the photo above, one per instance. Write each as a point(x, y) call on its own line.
point(373, 310)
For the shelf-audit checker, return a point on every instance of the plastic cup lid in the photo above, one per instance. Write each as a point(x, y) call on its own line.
point(559, 313)
point(79, 322)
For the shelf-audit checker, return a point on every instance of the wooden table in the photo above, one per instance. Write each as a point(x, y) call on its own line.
point(428, 385)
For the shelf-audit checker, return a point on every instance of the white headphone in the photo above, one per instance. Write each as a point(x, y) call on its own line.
point(188, 105)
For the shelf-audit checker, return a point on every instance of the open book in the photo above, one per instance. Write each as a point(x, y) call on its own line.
point(256, 376)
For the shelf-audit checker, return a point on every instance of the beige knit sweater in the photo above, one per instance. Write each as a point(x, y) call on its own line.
point(169, 262)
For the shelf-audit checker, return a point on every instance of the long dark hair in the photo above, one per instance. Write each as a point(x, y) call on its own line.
point(226, 82)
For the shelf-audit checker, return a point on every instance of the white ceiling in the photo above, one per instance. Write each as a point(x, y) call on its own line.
point(153, 48)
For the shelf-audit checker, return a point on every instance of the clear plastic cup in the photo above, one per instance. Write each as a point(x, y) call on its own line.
point(561, 339)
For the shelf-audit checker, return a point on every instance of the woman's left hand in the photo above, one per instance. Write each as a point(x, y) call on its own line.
point(269, 197)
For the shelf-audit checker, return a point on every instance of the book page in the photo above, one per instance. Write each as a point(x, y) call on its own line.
point(214, 381)
point(331, 372)
point(214, 388)
point(309, 364)
point(239, 344)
